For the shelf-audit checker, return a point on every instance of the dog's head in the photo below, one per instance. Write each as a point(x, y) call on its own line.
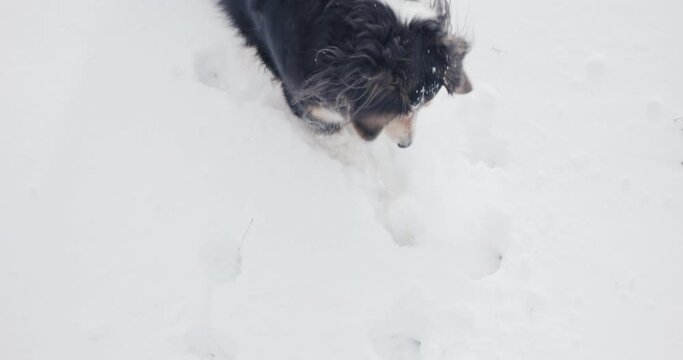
point(382, 68)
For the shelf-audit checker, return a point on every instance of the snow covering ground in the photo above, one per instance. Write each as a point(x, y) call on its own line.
point(539, 217)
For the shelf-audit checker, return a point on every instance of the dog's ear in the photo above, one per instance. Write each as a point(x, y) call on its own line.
point(457, 82)
point(455, 79)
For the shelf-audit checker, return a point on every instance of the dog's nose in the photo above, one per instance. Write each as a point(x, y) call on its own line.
point(405, 143)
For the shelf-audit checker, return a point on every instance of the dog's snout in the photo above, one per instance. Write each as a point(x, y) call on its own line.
point(401, 130)
point(405, 143)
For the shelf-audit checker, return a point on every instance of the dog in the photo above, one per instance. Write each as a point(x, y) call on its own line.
point(370, 63)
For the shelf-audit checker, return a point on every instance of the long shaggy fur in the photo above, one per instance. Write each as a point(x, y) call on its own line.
point(358, 58)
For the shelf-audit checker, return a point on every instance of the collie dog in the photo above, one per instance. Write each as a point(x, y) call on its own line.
point(369, 63)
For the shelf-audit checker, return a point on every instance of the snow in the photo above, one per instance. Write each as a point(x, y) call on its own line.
point(158, 200)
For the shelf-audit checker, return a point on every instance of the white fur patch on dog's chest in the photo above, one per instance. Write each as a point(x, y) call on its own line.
point(408, 10)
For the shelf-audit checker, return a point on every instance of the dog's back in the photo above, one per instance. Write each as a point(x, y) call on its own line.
point(281, 32)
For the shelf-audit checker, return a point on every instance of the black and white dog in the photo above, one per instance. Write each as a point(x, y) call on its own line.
point(372, 63)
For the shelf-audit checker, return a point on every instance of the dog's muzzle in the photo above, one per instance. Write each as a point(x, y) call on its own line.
point(401, 130)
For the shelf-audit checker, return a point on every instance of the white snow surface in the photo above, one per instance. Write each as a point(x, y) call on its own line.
point(539, 217)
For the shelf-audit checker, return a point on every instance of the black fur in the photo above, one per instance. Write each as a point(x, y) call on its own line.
point(355, 57)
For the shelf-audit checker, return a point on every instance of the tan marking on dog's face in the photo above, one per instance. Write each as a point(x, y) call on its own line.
point(327, 115)
point(401, 130)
